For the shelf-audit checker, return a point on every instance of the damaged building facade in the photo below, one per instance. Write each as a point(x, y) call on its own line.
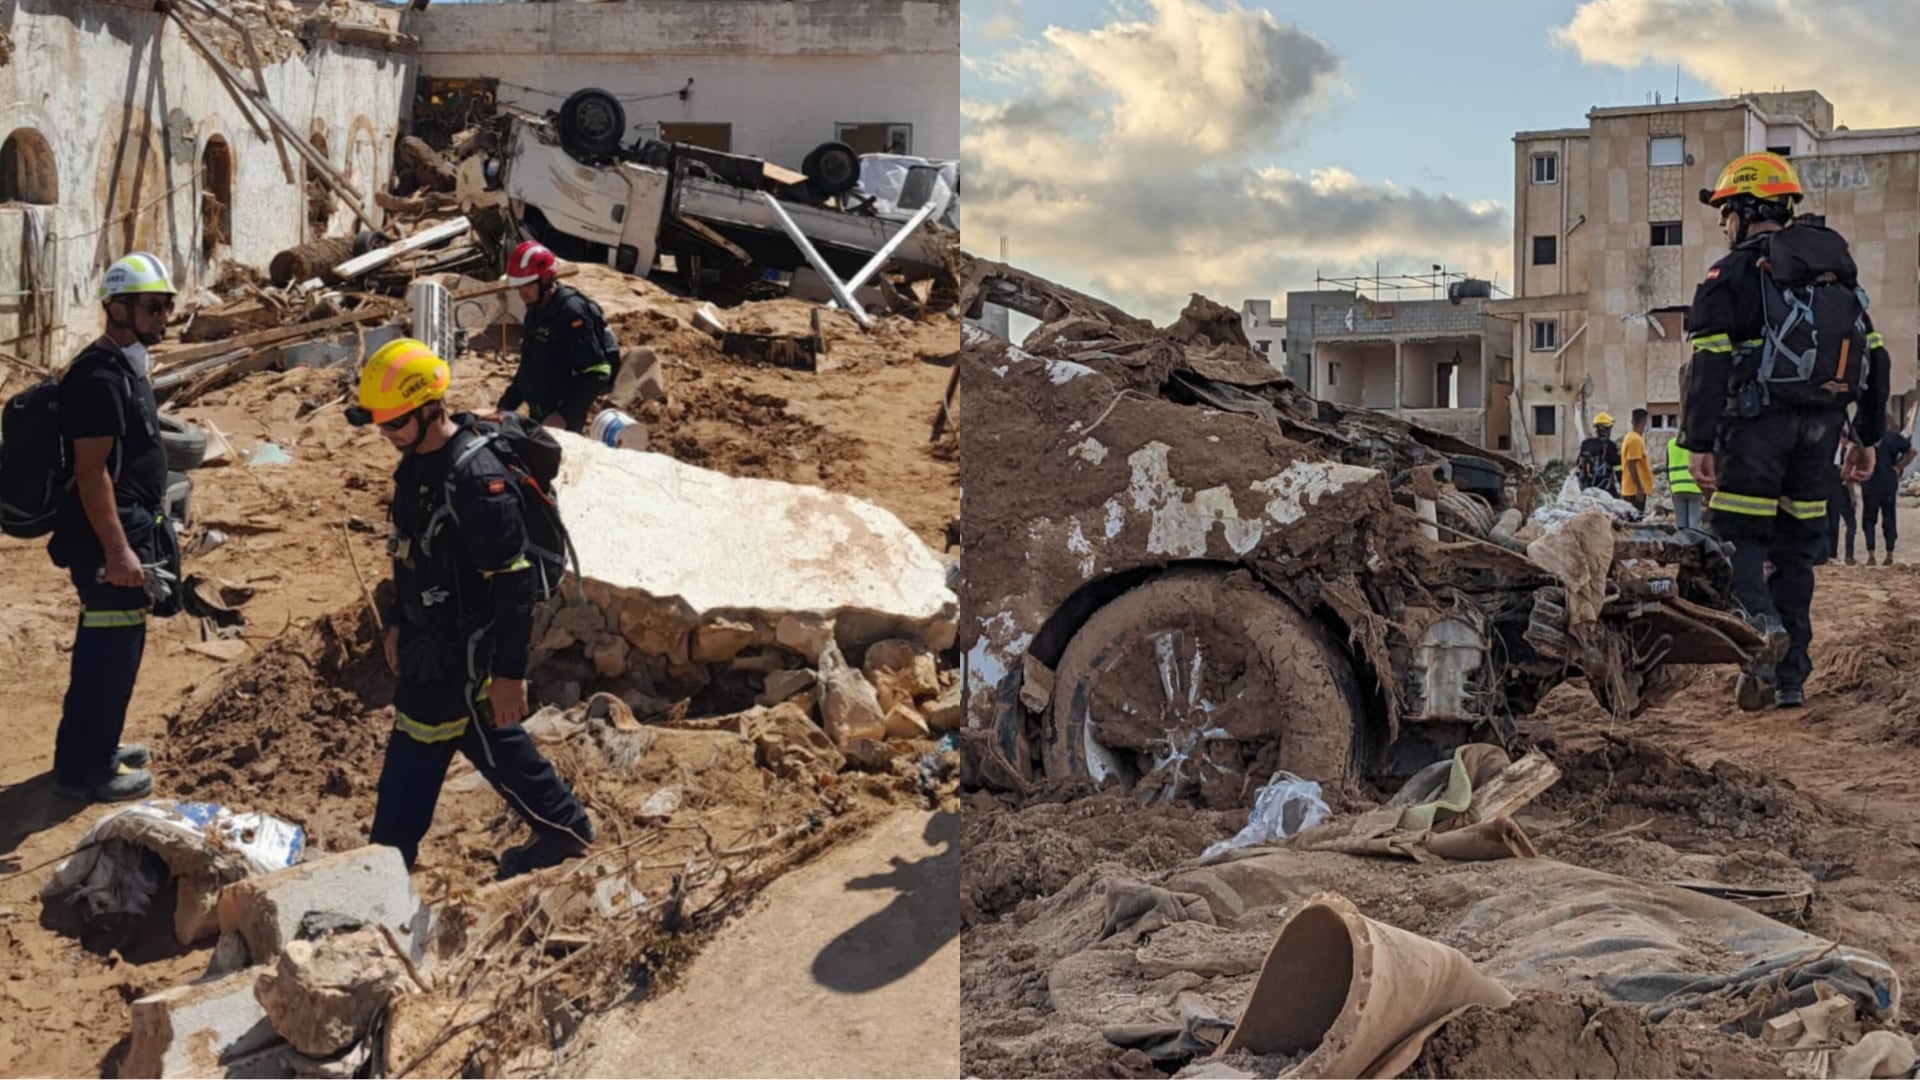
point(119, 136)
point(767, 78)
point(1610, 240)
point(1444, 365)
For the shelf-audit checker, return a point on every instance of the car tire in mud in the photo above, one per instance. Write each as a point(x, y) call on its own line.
point(1202, 684)
point(592, 123)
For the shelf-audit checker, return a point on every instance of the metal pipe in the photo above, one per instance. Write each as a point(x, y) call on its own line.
point(840, 291)
point(887, 249)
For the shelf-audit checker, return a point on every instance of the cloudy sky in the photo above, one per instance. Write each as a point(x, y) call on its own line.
point(1146, 149)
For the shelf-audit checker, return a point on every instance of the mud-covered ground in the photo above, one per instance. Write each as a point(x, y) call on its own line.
point(1823, 798)
point(294, 724)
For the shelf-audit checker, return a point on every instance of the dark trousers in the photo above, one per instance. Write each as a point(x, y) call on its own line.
point(1776, 470)
point(1840, 511)
point(107, 649)
point(435, 720)
point(1878, 507)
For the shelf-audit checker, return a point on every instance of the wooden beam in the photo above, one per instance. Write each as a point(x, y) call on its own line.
point(239, 99)
point(334, 180)
point(379, 257)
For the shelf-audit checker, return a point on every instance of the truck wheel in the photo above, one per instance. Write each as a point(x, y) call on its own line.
point(592, 122)
point(1201, 684)
point(832, 168)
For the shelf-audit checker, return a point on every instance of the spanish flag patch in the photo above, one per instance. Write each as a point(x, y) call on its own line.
point(1712, 273)
point(578, 323)
point(496, 486)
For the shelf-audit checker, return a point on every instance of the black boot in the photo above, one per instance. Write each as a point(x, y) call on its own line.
point(543, 850)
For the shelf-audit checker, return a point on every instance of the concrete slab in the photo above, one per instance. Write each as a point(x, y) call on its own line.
point(369, 884)
point(690, 562)
point(200, 1029)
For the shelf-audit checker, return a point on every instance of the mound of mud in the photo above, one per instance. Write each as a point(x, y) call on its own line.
point(298, 730)
point(1543, 1034)
point(1626, 782)
point(1012, 857)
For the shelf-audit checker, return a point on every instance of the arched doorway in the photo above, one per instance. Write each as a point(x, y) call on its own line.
point(216, 197)
point(320, 197)
point(29, 192)
point(27, 170)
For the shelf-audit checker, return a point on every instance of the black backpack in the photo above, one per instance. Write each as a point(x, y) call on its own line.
point(1593, 469)
point(609, 344)
point(35, 472)
point(1814, 348)
point(532, 457)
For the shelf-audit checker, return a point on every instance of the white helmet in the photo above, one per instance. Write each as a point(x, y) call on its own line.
point(140, 272)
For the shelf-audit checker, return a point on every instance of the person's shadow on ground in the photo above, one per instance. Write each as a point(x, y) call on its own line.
point(892, 942)
point(27, 808)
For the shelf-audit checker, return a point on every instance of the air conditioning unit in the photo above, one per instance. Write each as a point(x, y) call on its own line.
point(433, 317)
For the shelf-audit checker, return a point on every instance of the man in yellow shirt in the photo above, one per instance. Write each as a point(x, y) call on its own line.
point(1636, 475)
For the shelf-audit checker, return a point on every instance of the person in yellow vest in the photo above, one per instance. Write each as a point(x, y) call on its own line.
point(1636, 474)
point(1686, 492)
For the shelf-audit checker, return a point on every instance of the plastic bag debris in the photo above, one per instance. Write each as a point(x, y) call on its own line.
point(109, 872)
point(1283, 808)
point(1573, 501)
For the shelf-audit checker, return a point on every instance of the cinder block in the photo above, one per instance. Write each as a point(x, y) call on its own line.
point(369, 884)
point(200, 1029)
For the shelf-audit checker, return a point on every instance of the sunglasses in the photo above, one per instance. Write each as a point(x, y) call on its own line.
point(155, 307)
point(360, 417)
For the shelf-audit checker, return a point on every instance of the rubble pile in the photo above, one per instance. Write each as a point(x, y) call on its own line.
point(1420, 854)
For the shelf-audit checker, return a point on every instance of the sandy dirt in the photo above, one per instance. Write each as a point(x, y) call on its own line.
point(849, 963)
point(295, 725)
point(1823, 798)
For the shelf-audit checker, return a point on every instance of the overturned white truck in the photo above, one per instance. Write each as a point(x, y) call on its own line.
point(1182, 573)
point(592, 199)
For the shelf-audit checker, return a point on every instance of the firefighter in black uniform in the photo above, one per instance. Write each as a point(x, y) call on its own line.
point(459, 630)
point(113, 536)
point(567, 352)
point(1766, 402)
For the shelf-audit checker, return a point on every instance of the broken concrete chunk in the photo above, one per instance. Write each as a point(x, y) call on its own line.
point(198, 1029)
point(869, 755)
point(369, 884)
point(904, 722)
point(782, 685)
point(229, 953)
point(721, 640)
point(656, 532)
point(1036, 688)
point(609, 657)
point(788, 743)
point(943, 712)
point(807, 635)
point(909, 663)
point(322, 997)
point(654, 628)
point(848, 705)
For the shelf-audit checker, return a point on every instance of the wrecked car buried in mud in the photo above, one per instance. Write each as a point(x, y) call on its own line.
point(1183, 573)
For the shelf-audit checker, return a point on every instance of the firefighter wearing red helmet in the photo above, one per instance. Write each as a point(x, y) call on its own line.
point(568, 355)
point(1782, 347)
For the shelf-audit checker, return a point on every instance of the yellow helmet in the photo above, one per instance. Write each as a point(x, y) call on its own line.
point(401, 376)
point(1603, 420)
point(1763, 175)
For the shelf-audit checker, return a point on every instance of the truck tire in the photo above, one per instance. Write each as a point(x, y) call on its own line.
point(592, 123)
point(1200, 685)
point(832, 168)
point(185, 444)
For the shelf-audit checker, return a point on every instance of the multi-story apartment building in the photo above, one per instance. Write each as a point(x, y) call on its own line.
point(1610, 239)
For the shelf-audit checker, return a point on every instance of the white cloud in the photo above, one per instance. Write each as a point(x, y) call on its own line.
point(1856, 52)
point(1126, 159)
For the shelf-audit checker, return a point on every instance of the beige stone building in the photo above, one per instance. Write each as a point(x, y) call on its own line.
point(1610, 239)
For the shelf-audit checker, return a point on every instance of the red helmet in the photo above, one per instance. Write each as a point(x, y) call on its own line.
point(530, 262)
